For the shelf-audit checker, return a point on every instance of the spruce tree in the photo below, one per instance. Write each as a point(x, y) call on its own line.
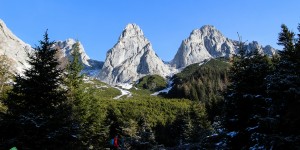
point(38, 110)
point(286, 39)
point(77, 96)
point(283, 89)
point(244, 99)
point(73, 78)
point(85, 109)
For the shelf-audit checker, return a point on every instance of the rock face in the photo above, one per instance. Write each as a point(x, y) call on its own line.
point(65, 49)
point(91, 67)
point(131, 58)
point(14, 48)
point(203, 43)
point(207, 42)
point(267, 50)
point(16, 51)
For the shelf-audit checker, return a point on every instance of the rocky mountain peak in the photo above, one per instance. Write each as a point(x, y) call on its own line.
point(66, 50)
point(267, 50)
point(208, 28)
point(205, 31)
point(204, 43)
point(208, 42)
point(131, 58)
point(131, 30)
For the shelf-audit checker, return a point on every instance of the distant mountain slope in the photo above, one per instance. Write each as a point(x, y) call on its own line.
point(91, 67)
point(14, 48)
point(208, 42)
point(203, 83)
point(197, 82)
point(131, 58)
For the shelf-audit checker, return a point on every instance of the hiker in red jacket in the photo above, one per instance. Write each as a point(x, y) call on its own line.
point(116, 143)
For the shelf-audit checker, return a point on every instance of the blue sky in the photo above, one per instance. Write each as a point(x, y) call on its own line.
point(98, 23)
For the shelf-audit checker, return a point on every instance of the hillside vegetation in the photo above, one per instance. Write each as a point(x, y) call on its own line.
point(203, 83)
point(152, 83)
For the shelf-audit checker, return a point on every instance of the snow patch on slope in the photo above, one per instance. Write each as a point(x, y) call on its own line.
point(123, 93)
point(166, 90)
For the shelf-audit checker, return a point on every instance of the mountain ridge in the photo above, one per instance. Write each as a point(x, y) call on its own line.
point(133, 57)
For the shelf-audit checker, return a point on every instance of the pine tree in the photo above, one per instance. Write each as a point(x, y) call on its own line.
point(286, 39)
point(244, 99)
point(83, 106)
point(283, 88)
point(201, 125)
point(73, 78)
point(38, 110)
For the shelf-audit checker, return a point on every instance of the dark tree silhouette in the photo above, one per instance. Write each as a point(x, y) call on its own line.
point(38, 115)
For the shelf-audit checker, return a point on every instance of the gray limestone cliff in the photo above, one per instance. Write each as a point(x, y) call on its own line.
point(208, 42)
point(131, 58)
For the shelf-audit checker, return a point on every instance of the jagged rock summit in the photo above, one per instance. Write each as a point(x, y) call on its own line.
point(204, 43)
point(208, 42)
point(131, 58)
point(14, 48)
point(65, 50)
point(267, 50)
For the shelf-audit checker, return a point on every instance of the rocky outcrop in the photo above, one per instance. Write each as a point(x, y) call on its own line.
point(131, 58)
point(207, 42)
point(15, 49)
point(267, 50)
point(65, 50)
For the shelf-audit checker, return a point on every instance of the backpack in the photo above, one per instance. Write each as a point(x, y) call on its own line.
point(111, 142)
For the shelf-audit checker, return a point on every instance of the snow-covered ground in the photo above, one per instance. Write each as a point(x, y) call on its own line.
point(123, 92)
point(232, 133)
point(166, 90)
point(126, 86)
point(204, 61)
